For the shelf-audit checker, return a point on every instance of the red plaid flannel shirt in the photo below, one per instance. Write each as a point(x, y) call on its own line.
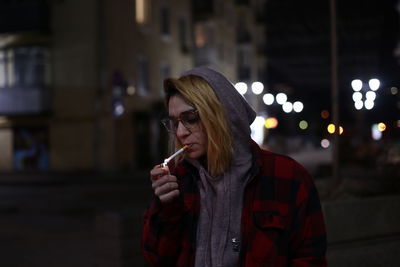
point(282, 223)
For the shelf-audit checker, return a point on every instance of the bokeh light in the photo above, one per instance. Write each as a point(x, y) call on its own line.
point(257, 88)
point(375, 132)
point(357, 96)
point(241, 87)
point(369, 104)
point(303, 124)
point(374, 84)
point(298, 106)
point(257, 129)
point(356, 85)
point(281, 98)
point(118, 109)
point(287, 107)
point(358, 105)
point(370, 95)
point(130, 90)
point(271, 123)
point(331, 129)
point(325, 143)
point(381, 126)
point(268, 99)
point(325, 114)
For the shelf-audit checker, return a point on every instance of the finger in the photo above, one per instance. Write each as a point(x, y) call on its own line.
point(169, 197)
point(166, 188)
point(158, 172)
point(162, 180)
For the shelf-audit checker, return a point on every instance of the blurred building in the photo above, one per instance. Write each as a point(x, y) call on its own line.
point(81, 81)
point(230, 37)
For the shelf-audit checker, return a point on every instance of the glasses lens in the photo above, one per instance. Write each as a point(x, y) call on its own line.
point(168, 124)
point(189, 119)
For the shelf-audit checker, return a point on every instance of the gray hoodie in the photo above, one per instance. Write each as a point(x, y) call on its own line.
point(218, 233)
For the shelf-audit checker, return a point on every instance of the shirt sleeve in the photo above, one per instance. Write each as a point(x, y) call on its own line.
point(160, 243)
point(308, 237)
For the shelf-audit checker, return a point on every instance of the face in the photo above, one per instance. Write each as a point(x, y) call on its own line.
point(196, 137)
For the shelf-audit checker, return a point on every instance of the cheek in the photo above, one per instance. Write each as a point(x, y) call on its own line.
point(203, 138)
point(205, 141)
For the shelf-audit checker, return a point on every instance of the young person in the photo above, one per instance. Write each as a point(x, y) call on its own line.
point(227, 202)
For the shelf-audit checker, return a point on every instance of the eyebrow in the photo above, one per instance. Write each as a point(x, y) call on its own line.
point(183, 112)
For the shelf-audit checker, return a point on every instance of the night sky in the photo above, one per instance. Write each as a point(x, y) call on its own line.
point(299, 51)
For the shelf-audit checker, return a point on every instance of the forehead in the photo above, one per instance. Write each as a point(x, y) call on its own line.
point(177, 104)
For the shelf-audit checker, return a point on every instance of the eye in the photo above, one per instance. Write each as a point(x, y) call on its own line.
point(192, 119)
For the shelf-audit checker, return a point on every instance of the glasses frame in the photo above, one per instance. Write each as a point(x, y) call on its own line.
point(167, 122)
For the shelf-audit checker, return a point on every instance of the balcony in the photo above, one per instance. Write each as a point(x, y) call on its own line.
point(24, 101)
point(24, 80)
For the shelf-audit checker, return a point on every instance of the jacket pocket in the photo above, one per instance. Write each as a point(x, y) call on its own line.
point(268, 239)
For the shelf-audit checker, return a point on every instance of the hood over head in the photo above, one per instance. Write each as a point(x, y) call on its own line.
point(238, 112)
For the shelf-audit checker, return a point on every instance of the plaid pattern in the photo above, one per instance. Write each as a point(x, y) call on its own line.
point(282, 222)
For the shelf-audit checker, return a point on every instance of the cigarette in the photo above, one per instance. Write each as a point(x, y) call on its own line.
point(173, 156)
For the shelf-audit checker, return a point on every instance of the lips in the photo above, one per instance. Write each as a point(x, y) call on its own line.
point(190, 145)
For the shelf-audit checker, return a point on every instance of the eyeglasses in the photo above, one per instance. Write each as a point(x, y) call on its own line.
point(190, 119)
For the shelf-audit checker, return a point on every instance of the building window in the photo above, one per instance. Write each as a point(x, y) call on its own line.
point(142, 11)
point(24, 80)
point(165, 21)
point(143, 76)
point(200, 35)
point(3, 69)
point(165, 72)
point(183, 35)
point(24, 67)
point(10, 64)
point(31, 149)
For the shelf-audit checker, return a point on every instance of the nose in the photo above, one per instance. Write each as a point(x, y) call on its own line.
point(181, 130)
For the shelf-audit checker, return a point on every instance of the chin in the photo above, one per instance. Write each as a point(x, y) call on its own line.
point(194, 155)
point(191, 155)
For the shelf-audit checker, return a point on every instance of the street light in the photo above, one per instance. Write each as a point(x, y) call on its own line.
point(257, 88)
point(369, 104)
point(357, 96)
point(281, 98)
point(357, 85)
point(298, 106)
point(287, 107)
point(268, 99)
point(374, 84)
point(241, 87)
point(358, 104)
point(370, 95)
point(257, 129)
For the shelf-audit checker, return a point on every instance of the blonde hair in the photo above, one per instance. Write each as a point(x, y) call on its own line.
point(199, 93)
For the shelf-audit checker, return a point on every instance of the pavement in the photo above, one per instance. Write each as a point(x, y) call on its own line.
point(71, 219)
point(94, 220)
